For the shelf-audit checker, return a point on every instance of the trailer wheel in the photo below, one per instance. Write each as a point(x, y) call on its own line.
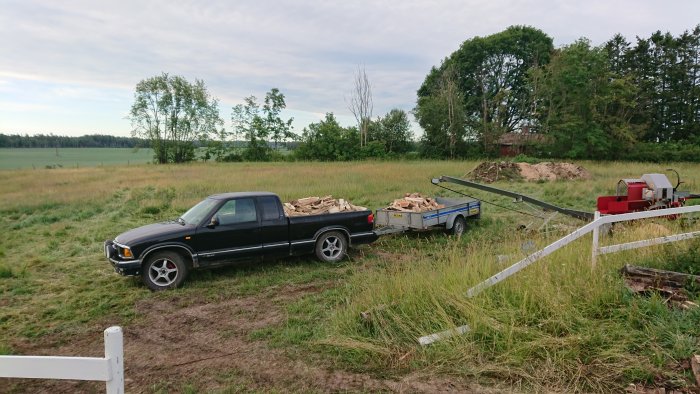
point(459, 226)
point(331, 247)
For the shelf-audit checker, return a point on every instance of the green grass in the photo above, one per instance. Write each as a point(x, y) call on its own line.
point(40, 158)
point(557, 326)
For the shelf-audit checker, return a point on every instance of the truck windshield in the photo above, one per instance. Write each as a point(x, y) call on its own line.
point(198, 212)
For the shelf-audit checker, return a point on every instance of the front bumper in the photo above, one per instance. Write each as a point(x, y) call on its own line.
point(122, 267)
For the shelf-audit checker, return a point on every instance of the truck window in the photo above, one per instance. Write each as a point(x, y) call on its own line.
point(240, 210)
point(270, 208)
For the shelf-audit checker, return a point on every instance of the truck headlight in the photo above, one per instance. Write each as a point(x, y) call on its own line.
point(126, 253)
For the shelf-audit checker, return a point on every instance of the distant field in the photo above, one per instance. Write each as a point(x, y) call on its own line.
point(18, 158)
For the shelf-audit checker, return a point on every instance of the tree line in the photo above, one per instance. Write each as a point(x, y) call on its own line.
point(59, 141)
point(619, 100)
point(176, 116)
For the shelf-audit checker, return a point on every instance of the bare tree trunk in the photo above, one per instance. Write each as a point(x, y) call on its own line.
point(361, 105)
point(451, 93)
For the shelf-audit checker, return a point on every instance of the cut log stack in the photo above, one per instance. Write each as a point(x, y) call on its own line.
point(414, 202)
point(669, 284)
point(319, 205)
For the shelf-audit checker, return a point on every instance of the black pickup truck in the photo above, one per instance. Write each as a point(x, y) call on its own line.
point(232, 227)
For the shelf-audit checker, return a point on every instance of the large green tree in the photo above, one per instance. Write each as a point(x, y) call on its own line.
point(172, 114)
point(492, 96)
point(259, 126)
point(584, 106)
point(327, 140)
point(667, 71)
point(443, 116)
point(393, 131)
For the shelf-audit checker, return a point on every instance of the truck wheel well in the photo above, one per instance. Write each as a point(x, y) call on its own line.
point(342, 230)
point(184, 253)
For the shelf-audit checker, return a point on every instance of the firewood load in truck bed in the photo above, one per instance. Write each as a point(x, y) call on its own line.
point(319, 205)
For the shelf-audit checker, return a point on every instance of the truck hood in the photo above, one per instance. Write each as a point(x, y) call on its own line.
point(154, 233)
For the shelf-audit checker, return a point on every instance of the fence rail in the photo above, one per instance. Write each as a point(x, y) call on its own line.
point(594, 227)
point(598, 250)
point(109, 369)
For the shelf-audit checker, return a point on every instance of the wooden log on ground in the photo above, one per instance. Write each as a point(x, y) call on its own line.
point(670, 284)
point(656, 277)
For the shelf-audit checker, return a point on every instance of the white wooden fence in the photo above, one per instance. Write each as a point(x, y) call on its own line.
point(109, 369)
point(597, 250)
point(594, 227)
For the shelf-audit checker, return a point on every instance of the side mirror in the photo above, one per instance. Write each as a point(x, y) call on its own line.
point(214, 222)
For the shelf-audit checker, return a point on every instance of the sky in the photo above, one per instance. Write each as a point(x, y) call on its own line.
point(70, 67)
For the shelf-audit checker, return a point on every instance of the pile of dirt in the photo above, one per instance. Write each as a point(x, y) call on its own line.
point(553, 171)
point(491, 171)
point(547, 171)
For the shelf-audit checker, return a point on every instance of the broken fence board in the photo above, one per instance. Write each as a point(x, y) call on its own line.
point(428, 339)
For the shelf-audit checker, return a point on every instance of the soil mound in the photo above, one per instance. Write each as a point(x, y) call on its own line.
point(548, 171)
point(491, 171)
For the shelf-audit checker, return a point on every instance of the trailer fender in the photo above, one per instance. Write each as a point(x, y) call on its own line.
point(451, 219)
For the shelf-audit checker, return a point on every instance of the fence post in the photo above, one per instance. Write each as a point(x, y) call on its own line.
point(114, 353)
point(596, 236)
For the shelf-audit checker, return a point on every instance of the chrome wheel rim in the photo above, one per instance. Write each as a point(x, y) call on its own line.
point(163, 272)
point(332, 247)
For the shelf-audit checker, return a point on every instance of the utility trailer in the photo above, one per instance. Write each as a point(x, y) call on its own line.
point(453, 217)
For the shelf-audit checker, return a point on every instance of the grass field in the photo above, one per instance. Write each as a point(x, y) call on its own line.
point(558, 326)
point(11, 159)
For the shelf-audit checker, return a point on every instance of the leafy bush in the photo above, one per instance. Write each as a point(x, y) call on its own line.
point(373, 149)
point(521, 158)
point(663, 152)
point(328, 141)
point(412, 156)
point(231, 157)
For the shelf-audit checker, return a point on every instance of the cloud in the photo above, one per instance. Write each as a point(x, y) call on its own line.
point(307, 49)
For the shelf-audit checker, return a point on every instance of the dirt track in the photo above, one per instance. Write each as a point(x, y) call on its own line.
point(207, 345)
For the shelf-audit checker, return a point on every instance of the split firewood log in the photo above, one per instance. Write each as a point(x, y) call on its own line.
point(414, 202)
point(319, 205)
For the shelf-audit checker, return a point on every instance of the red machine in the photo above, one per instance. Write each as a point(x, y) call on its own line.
point(651, 191)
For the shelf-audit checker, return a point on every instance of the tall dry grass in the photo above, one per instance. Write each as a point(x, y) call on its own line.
point(559, 325)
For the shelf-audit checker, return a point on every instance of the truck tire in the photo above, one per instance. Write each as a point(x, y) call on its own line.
point(164, 270)
point(331, 247)
point(459, 226)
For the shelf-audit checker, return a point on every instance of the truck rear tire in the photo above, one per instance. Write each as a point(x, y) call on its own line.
point(164, 270)
point(331, 247)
